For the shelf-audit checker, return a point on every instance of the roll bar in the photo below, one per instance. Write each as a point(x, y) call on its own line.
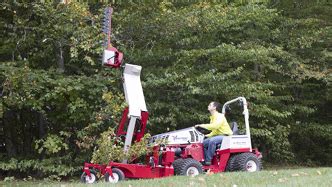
point(245, 111)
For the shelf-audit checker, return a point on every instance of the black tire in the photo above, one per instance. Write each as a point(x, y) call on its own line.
point(232, 162)
point(248, 162)
point(189, 167)
point(93, 176)
point(176, 165)
point(117, 174)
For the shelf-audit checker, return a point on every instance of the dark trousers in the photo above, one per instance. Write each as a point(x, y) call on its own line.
point(210, 145)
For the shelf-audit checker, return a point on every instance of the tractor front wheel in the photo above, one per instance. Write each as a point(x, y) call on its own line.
point(118, 175)
point(248, 162)
point(89, 180)
point(189, 167)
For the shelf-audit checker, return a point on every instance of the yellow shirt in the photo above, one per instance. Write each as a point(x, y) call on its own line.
point(218, 125)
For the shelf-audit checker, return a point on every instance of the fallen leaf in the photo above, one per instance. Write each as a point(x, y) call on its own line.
point(209, 172)
point(234, 185)
point(282, 180)
point(221, 175)
point(201, 179)
point(319, 173)
point(275, 173)
point(295, 175)
point(303, 173)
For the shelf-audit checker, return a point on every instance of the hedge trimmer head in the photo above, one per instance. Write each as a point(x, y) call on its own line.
point(111, 56)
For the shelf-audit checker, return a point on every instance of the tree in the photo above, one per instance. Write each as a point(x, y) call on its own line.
point(196, 53)
point(57, 100)
point(48, 35)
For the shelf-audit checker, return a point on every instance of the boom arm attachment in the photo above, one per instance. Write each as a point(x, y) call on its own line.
point(134, 97)
point(136, 111)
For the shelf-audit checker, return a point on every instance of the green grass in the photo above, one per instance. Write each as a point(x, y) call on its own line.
point(283, 177)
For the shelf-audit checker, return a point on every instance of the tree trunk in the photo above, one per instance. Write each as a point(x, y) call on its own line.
point(9, 130)
point(2, 137)
point(257, 73)
point(41, 126)
point(29, 131)
point(60, 60)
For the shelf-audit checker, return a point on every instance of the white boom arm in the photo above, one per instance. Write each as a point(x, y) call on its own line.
point(134, 97)
point(133, 89)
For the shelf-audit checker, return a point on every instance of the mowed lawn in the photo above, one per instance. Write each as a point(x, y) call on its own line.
point(281, 177)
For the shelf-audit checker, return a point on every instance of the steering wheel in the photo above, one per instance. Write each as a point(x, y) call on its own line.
point(202, 130)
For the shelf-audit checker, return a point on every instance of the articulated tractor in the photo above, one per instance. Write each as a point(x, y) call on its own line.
point(182, 151)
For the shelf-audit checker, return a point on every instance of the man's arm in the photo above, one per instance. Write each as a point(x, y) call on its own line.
point(214, 125)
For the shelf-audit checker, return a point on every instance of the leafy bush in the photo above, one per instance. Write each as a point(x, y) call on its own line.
point(60, 166)
point(110, 148)
point(312, 144)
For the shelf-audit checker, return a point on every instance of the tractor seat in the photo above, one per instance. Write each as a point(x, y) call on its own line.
point(235, 130)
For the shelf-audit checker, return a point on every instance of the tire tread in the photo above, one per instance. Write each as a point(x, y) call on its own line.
point(242, 160)
point(186, 163)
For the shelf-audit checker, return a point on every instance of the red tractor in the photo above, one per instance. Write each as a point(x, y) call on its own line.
point(182, 153)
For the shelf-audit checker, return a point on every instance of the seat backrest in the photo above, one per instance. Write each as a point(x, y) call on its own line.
point(234, 128)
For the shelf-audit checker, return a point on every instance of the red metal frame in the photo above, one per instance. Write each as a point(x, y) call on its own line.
point(219, 165)
point(163, 167)
point(123, 123)
point(157, 170)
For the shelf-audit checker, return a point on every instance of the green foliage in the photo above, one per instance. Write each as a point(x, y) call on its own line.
point(313, 136)
point(200, 52)
point(110, 148)
point(58, 114)
point(56, 99)
point(51, 36)
point(52, 144)
point(53, 166)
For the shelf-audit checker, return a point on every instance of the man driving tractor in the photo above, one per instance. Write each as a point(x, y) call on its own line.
point(219, 128)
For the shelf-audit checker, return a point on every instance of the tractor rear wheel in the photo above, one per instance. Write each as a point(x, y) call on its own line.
point(231, 164)
point(189, 167)
point(89, 180)
point(248, 162)
point(118, 175)
point(176, 165)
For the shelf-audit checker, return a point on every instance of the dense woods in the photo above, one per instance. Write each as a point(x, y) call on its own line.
point(56, 98)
